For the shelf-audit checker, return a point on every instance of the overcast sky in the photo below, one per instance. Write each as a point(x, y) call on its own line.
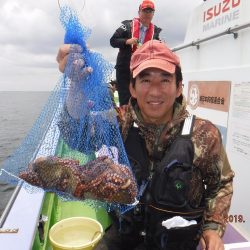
point(30, 34)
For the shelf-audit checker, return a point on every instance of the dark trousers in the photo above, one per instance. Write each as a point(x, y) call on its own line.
point(123, 80)
point(113, 240)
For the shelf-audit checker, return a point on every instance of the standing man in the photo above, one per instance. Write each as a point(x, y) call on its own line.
point(128, 37)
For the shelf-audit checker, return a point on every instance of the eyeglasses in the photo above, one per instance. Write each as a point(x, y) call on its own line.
point(148, 10)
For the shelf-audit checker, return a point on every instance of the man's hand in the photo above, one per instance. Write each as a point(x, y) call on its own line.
point(71, 62)
point(132, 41)
point(210, 240)
point(62, 56)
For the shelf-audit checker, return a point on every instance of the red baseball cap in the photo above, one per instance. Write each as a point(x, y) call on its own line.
point(147, 5)
point(153, 54)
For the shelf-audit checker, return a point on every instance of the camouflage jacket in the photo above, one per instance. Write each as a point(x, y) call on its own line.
point(209, 156)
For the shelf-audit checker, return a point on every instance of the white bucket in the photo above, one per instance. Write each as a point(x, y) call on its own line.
point(81, 233)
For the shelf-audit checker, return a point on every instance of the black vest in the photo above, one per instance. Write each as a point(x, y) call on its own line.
point(168, 193)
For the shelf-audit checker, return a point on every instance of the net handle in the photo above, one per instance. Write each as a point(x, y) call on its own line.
point(58, 1)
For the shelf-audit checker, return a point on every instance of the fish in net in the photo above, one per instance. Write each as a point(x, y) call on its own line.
point(101, 179)
point(75, 147)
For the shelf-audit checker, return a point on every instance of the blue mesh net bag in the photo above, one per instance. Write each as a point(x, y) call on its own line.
point(75, 148)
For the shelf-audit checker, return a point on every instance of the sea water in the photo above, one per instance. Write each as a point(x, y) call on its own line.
point(18, 111)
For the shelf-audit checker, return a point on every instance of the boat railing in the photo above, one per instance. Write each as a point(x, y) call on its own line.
point(10, 203)
point(231, 30)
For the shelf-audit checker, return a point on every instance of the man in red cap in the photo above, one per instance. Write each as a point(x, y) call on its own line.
point(128, 37)
point(179, 162)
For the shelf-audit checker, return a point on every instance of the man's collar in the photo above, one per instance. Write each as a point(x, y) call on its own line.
point(143, 27)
